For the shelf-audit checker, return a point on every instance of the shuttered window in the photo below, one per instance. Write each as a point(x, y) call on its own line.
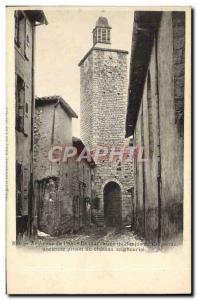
point(22, 106)
point(23, 34)
point(20, 101)
point(18, 189)
point(108, 36)
point(99, 34)
point(22, 189)
point(104, 35)
point(25, 190)
point(19, 29)
point(27, 119)
point(27, 39)
point(16, 35)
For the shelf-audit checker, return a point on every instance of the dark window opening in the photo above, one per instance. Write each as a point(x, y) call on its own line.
point(104, 35)
point(26, 108)
point(19, 179)
point(19, 28)
point(108, 35)
point(20, 101)
point(28, 41)
point(119, 166)
point(99, 35)
point(96, 203)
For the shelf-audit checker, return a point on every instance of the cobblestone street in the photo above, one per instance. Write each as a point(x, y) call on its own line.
point(97, 239)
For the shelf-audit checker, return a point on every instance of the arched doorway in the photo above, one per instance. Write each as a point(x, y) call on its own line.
point(112, 204)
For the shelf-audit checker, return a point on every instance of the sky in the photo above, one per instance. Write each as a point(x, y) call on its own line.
point(65, 40)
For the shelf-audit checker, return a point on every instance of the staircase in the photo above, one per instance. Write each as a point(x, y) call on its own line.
point(99, 218)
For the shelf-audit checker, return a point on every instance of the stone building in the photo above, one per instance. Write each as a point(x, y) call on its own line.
point(81, 187)
point(103, 82)
point(24, 43)
point(155, 120)
point(62, 188)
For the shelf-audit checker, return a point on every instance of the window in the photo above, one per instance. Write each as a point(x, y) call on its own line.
point(150, 115)
point(119, 165)
point(20, 102)
point(22, 189)
point(108, 35)
point(104, 35)
point(23, 34)
point(19, 179)
point(26, 108)
point(27, 51)
point(99, 35)
point(95, 36)
point(19, 29)
point(96, 203)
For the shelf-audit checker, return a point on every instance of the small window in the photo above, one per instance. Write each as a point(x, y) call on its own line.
point(108, 35)
point(96, 203)
point(119, 165)
point(19, 28)
point(20, 102)
point(27, 39)
point(95, 36)
point(19, 186)
point(99, 34)
point(26, 108)
point(104, 35)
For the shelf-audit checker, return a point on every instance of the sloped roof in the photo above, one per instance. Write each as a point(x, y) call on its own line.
point(36, 15)
point(56, 99)
point(102, 22)
point(146, 23)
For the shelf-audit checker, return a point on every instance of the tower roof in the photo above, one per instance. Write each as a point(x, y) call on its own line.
point(102, 22)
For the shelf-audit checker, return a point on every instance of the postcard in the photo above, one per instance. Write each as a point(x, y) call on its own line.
point(99, 150)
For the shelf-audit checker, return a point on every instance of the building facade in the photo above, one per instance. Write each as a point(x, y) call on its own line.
point(25, 22)
point(62, 187)
point(103, 83)
point(155, 120)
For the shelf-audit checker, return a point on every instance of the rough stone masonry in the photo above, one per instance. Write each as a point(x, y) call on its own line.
point(103, 83)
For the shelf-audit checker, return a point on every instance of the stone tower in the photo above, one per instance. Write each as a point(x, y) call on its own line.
point(103, 88)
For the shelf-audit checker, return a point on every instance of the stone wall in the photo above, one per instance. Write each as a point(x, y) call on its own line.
point(86, 100)
point(49, 120)
point(23, 68)
point(62, 188)
point(103, 110)
point(162, 128)
point(52, 126)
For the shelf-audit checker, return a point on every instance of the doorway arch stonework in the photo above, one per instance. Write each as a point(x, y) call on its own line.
point(112, 202)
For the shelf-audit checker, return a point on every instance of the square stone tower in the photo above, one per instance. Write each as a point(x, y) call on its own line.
point(103, 88)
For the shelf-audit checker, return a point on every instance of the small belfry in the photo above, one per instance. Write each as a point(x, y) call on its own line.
point(101, 32)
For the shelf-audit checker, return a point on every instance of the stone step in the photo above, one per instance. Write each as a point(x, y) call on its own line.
point(99, 218)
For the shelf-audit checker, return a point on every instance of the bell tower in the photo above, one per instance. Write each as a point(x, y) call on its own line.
point(101, 32)
point(103, 104)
